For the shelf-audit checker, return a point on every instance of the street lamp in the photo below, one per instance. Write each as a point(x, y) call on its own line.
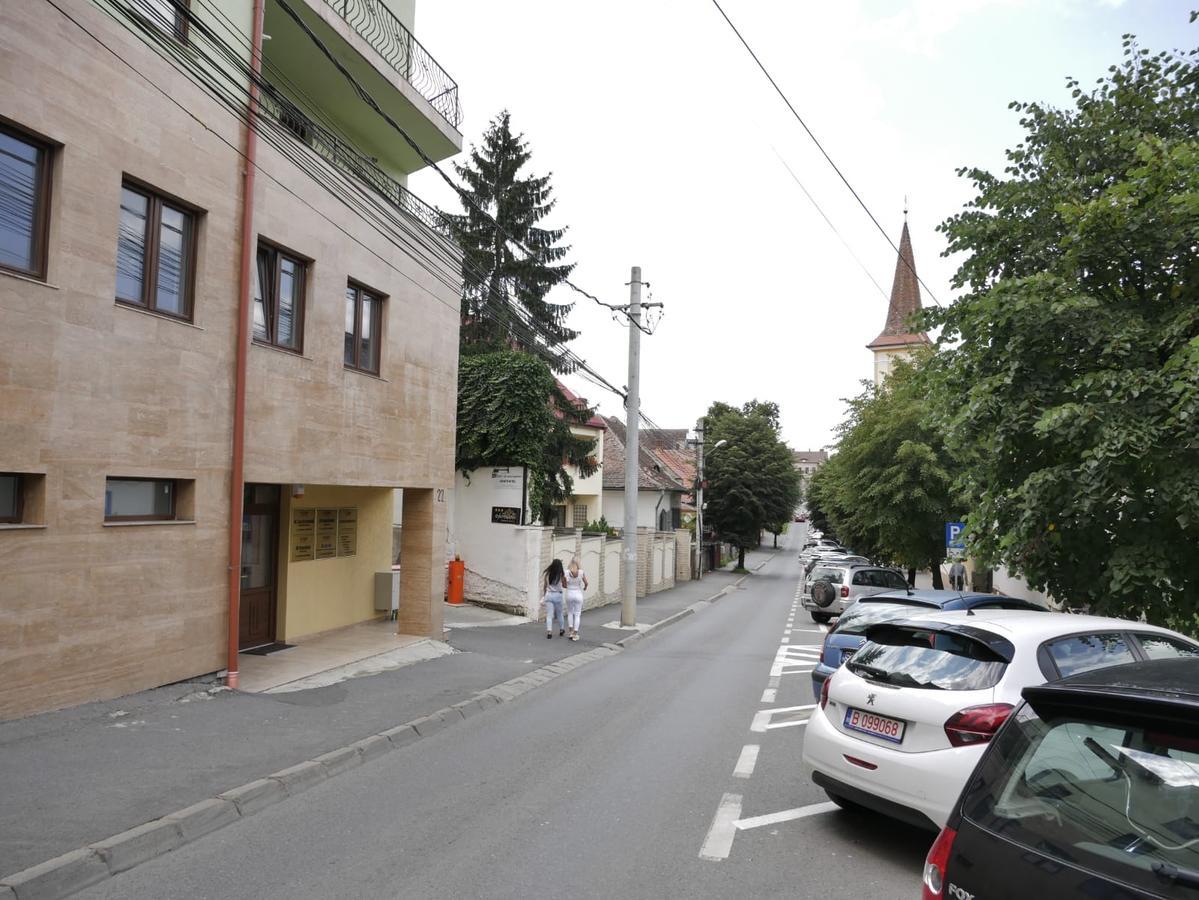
point(699, 494)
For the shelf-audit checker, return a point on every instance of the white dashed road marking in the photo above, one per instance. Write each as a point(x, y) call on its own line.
point(746, 761)
point(768, 695)
point(719, 841)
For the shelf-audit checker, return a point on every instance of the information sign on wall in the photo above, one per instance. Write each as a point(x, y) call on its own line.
point(507, 494)
point(303, 534)
point(347, 531)
point(326, 533)
point(505, 515)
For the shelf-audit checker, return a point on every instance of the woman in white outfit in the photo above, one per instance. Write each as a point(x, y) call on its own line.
point(576, 583)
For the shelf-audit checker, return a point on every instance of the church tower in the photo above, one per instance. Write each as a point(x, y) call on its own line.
point(897, 339)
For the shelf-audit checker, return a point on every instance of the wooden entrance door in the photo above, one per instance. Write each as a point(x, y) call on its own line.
point(259, 547)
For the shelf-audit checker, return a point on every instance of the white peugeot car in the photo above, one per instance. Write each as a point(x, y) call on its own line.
point(900, 726)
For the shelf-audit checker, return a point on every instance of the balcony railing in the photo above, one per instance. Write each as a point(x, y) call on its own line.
point(380, 28)
point(343, 156)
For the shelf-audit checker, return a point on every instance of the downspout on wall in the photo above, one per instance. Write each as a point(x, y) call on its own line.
point(245, 306)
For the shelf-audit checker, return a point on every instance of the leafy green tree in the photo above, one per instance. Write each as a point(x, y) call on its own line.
point(504, 289)
point(1067, 380)
point(511, 413)
point(887, 491)
point(752, 483)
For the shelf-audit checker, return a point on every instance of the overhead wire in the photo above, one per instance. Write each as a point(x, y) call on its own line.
point(462, 194)
point(829, 222)
point(284, 140)
point(820, 147)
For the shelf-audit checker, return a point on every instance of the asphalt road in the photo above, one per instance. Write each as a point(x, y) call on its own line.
point(632, 777)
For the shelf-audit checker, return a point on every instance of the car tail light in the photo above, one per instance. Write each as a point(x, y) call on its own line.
point(824, 693)
point(935, 864)
point(845, 590)
point(976, 724)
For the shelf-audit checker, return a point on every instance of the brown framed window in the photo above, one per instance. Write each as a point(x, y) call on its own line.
point(12, 495)
point(169, 15)
point(364, 329)
point(138, 499)
point(156, 252)
point(24, 202)
point(279, 298)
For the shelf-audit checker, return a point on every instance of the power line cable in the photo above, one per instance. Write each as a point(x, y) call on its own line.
point(466, 199)
point(829, 222)
point(287, 148)
point(820, 147)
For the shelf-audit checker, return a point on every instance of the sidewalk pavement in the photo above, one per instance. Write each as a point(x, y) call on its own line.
point(74, 777)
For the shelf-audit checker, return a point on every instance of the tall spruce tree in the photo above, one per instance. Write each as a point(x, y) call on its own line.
point(504, 288)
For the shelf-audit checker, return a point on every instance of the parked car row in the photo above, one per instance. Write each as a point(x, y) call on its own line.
point(913, 688)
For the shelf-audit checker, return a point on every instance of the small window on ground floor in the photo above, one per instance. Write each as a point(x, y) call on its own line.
point(139, 499)
point(11, 497)
point(580, 515)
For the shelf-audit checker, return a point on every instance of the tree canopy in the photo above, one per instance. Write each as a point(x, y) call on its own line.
point(752, 481)
point(504, 288)
point(887, 491)
point(1067, 377)
point(511, 413)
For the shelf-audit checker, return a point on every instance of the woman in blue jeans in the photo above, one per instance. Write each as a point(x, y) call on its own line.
point(554, 583)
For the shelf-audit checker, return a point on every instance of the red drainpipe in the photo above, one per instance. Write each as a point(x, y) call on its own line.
point(245, 305)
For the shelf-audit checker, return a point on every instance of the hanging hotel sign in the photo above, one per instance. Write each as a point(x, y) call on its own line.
point(303, 534)
point(326, 533)
point(347, 531)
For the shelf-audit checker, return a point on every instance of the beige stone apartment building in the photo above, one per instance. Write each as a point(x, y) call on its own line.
point(132, 294)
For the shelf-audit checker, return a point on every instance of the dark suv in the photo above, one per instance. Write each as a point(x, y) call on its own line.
point(1090, 789)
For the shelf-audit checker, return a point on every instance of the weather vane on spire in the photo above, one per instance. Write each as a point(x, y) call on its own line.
point(905, 208)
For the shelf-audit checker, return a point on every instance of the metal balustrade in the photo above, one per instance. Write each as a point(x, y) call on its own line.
point(379, 27)
point(334, 150)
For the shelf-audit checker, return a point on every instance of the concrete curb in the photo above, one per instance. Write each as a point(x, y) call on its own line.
point(79, 869)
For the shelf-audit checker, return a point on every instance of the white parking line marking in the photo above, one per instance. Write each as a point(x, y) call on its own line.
point(769, 695)
point(785, 641)
point(793, 659)
point(787, 815)
point(746, 761)
point(773, 681)
point(786, 631)
point(719, 841)
point(763, 720)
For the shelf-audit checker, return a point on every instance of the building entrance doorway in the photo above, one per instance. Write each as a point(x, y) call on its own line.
point(259, 565)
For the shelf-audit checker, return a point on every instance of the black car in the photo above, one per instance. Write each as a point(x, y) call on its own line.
point(1090, 789)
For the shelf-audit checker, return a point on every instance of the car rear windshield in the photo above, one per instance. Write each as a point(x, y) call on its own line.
point(1111, 795)
point(862, 615)
point(821, 573)
point(924, 658)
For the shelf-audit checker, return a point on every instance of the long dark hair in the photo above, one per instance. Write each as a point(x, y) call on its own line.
point(554, 574)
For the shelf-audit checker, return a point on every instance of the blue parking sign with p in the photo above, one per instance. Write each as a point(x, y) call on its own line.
point(955, 535)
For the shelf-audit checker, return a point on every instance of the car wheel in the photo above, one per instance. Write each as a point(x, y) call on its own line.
point(823, 593)
point(820, 618)
point(847, 805)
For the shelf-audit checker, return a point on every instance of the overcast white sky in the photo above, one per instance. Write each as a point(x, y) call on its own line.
point(661, 135)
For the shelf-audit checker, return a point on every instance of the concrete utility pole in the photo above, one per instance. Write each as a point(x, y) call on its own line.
point(699, 497)
point(632, 469)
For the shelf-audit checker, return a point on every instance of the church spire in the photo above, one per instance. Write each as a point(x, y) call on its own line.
point(905, 299)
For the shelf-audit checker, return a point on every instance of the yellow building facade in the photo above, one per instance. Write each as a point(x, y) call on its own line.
point(121, 297)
